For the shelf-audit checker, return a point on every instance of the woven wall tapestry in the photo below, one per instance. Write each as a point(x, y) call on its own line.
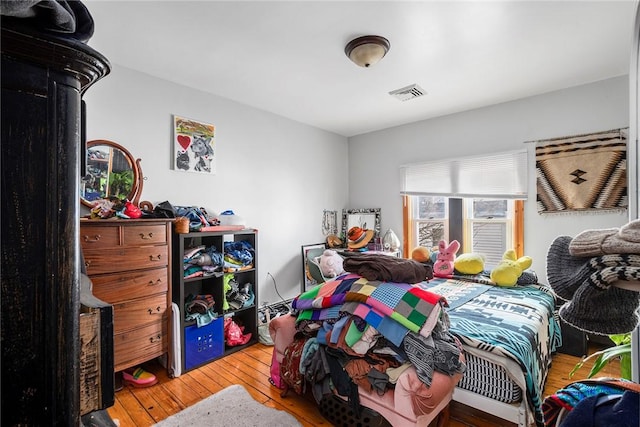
point(582, 173)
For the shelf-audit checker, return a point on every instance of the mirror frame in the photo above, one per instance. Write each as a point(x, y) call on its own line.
point(353, 217)
point(136, 188)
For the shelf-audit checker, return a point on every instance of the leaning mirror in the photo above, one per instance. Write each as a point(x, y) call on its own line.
point(368, 219)
point(111, 171)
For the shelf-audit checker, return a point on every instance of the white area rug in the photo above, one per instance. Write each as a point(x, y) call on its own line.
point(232, 406)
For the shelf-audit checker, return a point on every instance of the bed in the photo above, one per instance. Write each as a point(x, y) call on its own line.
point(508, 336)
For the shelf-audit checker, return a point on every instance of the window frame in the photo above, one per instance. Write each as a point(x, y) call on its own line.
point(459, 224)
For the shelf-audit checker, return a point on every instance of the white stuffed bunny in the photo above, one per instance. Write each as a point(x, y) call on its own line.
point(330, 263)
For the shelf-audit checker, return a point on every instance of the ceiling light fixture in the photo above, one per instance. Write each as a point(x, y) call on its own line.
point(366, 51)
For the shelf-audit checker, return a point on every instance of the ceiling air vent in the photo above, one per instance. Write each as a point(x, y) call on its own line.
point(408, 92)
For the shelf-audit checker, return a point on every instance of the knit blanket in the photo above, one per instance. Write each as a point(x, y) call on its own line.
point(518, 323)
point(582, 173)
point(388, 269)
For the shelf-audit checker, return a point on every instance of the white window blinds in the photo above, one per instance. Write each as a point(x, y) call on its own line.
point(497, 176)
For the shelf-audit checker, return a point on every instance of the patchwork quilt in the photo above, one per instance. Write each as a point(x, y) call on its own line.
point(392, 308)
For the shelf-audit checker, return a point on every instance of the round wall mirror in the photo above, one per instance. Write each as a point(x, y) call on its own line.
point(111, 172)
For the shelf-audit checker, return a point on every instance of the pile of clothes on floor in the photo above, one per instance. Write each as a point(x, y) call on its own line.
point(596, 402)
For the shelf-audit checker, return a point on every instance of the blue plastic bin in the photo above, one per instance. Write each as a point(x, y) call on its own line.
point(203, 344)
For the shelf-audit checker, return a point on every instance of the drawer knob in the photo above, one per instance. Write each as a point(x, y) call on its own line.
point(92, 240)
point(154, 258)
point(146, 236)
point(150, 310)
point(157, 282)
point(156, 338)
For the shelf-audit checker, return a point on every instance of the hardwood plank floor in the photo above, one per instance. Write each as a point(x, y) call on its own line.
point(143, 407)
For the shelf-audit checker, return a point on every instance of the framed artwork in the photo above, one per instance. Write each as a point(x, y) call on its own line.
point(310, 271)
point(193, 146)
point(369, 219)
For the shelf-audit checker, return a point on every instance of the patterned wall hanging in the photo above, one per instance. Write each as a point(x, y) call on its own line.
point(193, 146)
point(582, 173)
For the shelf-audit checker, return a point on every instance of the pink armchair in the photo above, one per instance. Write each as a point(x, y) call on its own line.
point(410, 404)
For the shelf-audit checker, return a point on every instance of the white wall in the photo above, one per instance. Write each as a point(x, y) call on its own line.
point(276, 173)
point(280, 175)
point(374, 158)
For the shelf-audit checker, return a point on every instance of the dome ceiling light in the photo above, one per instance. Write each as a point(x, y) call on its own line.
point(366, 51)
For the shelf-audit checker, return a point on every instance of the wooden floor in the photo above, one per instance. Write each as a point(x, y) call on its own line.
point(142, 407)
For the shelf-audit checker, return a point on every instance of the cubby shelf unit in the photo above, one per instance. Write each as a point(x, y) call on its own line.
point(201, 345)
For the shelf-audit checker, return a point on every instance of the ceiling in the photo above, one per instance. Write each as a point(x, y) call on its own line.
point(287, 57)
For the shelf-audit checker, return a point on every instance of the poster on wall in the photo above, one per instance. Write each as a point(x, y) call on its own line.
point(194, 146)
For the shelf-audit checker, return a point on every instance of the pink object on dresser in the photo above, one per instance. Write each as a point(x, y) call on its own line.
point(410, 404)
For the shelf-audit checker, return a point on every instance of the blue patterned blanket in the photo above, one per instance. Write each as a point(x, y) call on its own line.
point(456, 291)
point(519, 323)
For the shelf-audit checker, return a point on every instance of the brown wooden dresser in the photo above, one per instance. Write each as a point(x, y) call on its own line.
point(129, 264)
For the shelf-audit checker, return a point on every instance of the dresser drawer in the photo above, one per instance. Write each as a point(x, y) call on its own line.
point(144, 235)
point(135, 347)
point(93, 236)
point(135, 313)
point(125, 259)
point(116, 287)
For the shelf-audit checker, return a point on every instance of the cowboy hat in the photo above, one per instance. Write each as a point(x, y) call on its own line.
point(359, 237)
point(334, 241)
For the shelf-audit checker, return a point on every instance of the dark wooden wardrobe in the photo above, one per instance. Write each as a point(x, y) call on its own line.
point(43, 79)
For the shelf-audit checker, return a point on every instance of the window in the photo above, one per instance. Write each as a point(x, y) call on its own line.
point(430, 220)
point(477, 201)
point(486, 226)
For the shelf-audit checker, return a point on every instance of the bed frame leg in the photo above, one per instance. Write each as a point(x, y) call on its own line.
point(522, 416)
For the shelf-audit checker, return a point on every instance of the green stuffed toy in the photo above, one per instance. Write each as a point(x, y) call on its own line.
point(472, 263)
point(510, 269)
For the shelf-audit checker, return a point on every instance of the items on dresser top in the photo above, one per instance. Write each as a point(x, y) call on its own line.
point(129, 263)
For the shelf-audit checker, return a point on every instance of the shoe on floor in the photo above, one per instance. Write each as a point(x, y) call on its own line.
point(138, 377)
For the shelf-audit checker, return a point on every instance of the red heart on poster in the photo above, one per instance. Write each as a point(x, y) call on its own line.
point(184, 141)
